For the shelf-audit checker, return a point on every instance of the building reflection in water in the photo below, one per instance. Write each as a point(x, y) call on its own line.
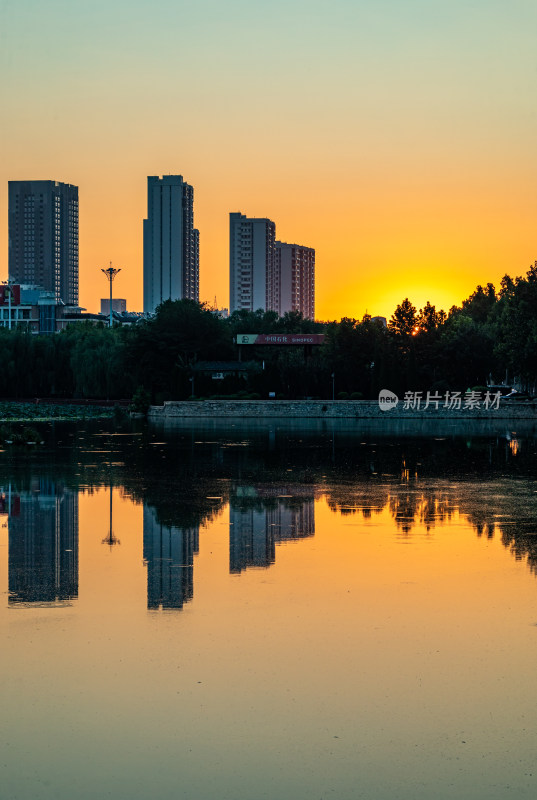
point(260, 517)
point(169, 555)
point(43, 545)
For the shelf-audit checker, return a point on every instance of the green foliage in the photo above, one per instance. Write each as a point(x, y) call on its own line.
point(513, 323)
point(82, 361)
point(96, 361)
point(141, 400)
point(465, 352)
point(429, 319)
point(40, 412)
point(489, 333)
point(268, 322)
point(480, 304)
point(161, 352)
point(404, 319)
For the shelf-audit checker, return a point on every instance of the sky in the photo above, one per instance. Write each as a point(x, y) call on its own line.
point(396, 137)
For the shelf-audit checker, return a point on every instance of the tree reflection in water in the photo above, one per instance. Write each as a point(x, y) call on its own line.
point(270, 477)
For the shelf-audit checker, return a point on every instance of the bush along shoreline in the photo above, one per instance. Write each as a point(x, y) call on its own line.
point(12, 411)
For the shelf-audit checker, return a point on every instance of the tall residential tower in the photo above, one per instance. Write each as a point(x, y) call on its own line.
point(171, 243)
point(43, 236)
point(251, 259)
point(294, 279)
point(266, 274)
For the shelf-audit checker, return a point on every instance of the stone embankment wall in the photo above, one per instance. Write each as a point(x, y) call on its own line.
point(327, 409)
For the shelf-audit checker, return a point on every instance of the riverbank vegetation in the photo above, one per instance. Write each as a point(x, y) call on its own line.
point(37, 411)
point(492, 334)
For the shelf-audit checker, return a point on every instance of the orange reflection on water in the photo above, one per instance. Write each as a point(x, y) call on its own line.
point(366, 651)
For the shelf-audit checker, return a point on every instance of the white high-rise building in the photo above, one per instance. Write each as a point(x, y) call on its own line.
point(251, 257)
point(171, 243)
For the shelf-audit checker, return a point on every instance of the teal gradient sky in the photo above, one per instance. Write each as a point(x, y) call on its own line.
point(397, 138)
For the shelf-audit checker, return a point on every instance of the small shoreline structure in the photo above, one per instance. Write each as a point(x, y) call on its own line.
point(331, 409)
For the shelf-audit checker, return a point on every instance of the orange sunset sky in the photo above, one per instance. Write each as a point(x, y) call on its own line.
point(396, 138)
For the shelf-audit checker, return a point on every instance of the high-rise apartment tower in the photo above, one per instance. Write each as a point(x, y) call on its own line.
point(266, 274)
point(294, 279)
point(43, 236)
point(171, 243)
point(251, 259)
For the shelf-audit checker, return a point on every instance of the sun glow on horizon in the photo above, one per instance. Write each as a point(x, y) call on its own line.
point(396, 141)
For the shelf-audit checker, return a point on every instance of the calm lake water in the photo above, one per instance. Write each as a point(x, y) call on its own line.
point(269, 611)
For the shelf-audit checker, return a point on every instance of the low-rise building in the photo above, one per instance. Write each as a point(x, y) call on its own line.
point(119, 304)
point(38, 310)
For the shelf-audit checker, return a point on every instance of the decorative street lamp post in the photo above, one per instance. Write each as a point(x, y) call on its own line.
point(111, 273)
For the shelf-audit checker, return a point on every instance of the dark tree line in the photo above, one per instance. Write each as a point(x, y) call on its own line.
point(493, 333)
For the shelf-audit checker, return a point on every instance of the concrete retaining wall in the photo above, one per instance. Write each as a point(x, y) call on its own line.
point(326, 409)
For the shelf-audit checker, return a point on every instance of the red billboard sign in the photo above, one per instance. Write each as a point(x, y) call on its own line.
point(280, 338)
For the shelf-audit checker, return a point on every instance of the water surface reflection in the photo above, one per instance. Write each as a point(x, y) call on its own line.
point(43, 544)
point(187, 479)
point(169, 555)
point(260, 517)
point(288, 612)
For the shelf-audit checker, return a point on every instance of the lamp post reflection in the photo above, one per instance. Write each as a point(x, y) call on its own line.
point(111, 540)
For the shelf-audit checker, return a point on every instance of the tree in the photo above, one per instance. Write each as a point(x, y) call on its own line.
point(162, 351)
point(514, 325)
point(429, 318)
point(465, 352)
point(404, 320)
point(479, 305)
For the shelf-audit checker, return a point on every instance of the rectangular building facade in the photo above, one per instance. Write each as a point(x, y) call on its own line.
point(195, 271)
point(266, 274)
point(171, 243)
point(251, 258)
point(119, 304)
point(294, 279)
point(37, 310)
point(169, 555)
point(43, 236)
point(254, 530)
point(43, 546)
